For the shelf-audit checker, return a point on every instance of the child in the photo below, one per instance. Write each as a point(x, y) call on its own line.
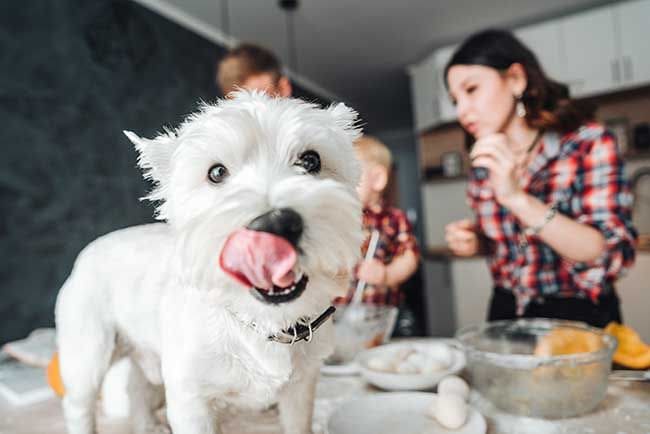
point(396, 255)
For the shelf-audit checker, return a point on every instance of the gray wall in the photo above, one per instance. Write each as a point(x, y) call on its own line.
point(73, 75)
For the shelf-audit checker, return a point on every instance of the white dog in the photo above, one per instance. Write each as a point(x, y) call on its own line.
point(220, 303)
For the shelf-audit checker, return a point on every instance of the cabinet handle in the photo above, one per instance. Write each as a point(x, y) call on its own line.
point(627, 68)
point(616, 71)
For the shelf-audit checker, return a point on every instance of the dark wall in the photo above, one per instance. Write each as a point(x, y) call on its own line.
point(73, 75)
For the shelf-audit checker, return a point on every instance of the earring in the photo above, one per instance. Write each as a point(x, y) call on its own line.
point(520, 108)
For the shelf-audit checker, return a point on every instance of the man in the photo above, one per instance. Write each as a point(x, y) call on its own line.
point(252, 67)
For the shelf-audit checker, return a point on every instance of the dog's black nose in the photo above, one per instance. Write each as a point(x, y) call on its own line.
point(283, 222)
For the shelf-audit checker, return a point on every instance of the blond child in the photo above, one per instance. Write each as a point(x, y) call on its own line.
point(396, 256)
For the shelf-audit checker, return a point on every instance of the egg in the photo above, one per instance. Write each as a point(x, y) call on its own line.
point(441, 354)
point(381, 364)
point(450, 411)
point(453, 385)
point(418, 359)
point(407, 367)
point(404, 353)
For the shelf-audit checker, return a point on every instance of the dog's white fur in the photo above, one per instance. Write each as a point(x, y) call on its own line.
point(157, 294)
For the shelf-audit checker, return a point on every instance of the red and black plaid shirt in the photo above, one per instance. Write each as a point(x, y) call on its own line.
point(582, 173)
point(395, 238)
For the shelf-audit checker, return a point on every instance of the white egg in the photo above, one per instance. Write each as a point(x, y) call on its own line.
point(451, 411)
point(418, 359)
point(433, 366)
point(454, 385)
point(404, 353)
point(441, 354)
point(407, 368)
point(380, 364)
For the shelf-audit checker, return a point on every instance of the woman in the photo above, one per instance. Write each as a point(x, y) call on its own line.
point(552, 206)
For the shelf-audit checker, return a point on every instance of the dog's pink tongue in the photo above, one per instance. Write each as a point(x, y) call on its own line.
point(258, 259)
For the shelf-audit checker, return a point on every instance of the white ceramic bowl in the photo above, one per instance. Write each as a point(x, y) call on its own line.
point(402, 381)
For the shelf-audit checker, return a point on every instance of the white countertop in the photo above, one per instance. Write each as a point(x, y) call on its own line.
point(626, 410)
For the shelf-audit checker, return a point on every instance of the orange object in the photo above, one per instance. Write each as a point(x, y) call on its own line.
point(564, 340)
point(54, 376)
point(631, 352)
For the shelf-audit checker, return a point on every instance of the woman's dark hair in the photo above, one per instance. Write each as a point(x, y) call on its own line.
point(548, 104)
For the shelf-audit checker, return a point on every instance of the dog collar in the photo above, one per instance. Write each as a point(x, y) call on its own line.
point(298, 332)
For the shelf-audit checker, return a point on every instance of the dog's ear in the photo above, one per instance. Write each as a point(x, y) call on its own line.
point(346, 118)
point(155, 160)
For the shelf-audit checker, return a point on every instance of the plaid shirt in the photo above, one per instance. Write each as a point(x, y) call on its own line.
point(582, 173)
point(395, 238)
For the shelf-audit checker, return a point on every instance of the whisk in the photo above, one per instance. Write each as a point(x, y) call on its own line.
point(355, 312)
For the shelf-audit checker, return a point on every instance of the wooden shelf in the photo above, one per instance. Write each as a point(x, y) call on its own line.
point(643, 245)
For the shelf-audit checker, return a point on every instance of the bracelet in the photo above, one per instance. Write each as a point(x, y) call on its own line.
point(534, 230)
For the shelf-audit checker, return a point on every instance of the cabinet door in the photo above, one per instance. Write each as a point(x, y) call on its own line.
point(545, 40)
point(634, 29)
point(446, 109)
point(593, 65)
point(423, 94)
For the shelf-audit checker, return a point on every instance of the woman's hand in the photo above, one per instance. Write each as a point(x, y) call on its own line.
point(493, 153)
point(372, 272)
point(462, 238)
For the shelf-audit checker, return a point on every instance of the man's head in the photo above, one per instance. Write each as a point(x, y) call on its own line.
point(376, 161)
point(254, 68)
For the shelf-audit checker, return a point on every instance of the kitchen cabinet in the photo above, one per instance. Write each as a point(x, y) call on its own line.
point(634, 29)
point(606, 48)
point(446, 110)
point(591, 52)
point(443, 202)
point(423, 93)
point(546, 41)
point(472, 283)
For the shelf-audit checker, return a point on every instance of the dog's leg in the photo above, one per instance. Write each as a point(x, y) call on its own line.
point(188, 412)
point(84, 358)
point(144, 399)
point(296, 403)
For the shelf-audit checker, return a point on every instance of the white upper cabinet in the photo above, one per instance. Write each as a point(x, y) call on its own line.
point(634, 28)
point(447, 111)
point(424, 94)
point(591, 52)
point(545, 40)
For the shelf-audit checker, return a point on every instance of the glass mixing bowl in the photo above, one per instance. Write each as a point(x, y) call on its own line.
point(506, 367)
point(365, 326)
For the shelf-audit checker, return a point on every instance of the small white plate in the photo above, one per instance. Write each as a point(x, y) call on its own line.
point(420, 381)
point(351, 368)
point(392, 413)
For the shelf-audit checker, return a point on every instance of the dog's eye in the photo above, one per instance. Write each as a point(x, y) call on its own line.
point(217, 173)
point(310, 161)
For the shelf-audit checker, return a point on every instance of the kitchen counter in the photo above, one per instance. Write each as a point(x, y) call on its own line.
point(625, 410)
